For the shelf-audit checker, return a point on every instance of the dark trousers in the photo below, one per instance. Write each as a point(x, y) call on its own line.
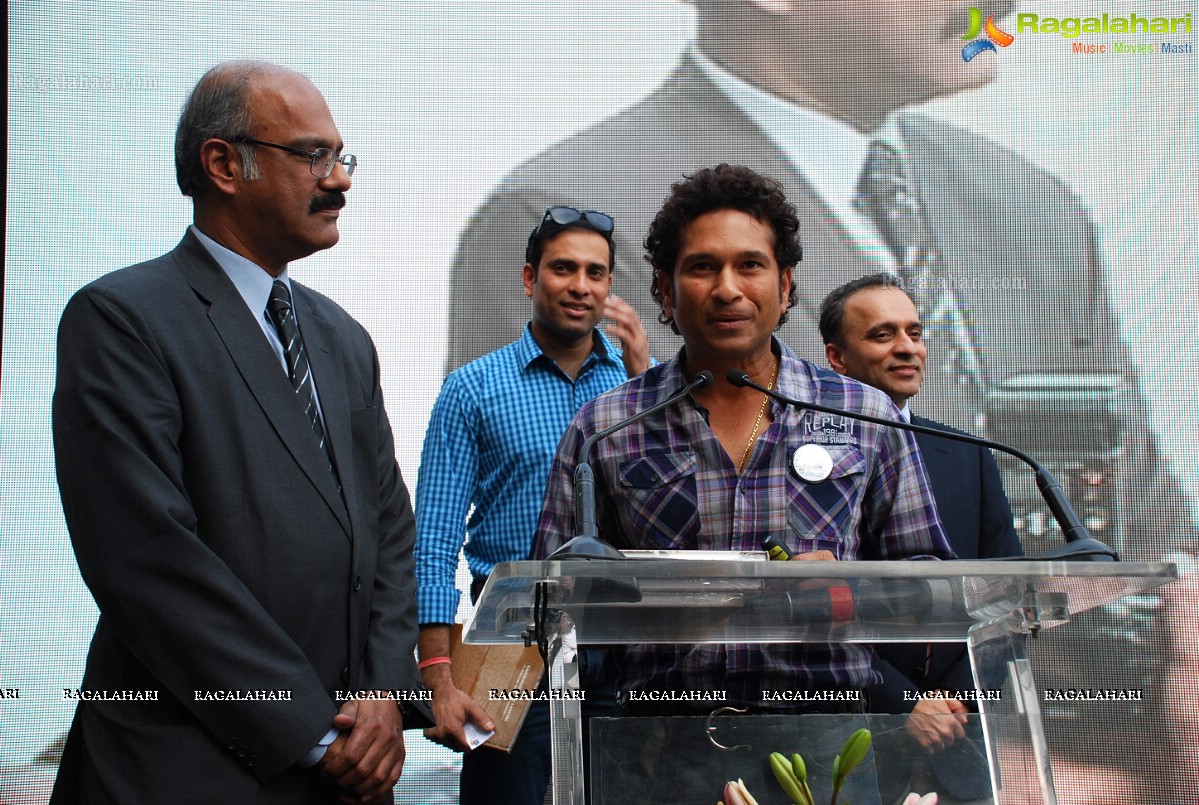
point(519, 777)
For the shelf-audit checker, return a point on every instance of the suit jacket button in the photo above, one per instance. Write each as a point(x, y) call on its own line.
point(345, 675)
point(233, 743)
point(357, 583)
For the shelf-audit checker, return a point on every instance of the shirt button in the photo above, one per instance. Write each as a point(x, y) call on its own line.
point(357, 583)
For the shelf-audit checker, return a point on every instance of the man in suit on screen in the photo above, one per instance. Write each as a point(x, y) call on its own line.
point(228, 477)
point(814, 95)
point(801, 93)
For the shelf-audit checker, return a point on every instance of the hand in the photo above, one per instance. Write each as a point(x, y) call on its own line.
point(814, 556)
point(626, 326)
point(367, 757)
point(452, 708)
point(936, 723)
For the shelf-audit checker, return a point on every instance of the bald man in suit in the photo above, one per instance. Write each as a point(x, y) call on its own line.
point(228, 477)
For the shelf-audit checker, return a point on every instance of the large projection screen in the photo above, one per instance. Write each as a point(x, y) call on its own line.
point(444, 105)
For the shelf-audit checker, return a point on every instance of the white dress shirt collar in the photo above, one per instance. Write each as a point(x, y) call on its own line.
point(828, 153)
point(250, 279)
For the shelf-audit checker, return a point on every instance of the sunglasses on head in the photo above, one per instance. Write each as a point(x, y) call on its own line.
point(562, 216)
point(565, 216)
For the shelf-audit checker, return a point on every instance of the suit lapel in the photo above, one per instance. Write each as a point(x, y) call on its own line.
point(939, 465)
point(970, 219)
point(940, 446)
point(950, 474)
point(260, 369)
point(938, 460)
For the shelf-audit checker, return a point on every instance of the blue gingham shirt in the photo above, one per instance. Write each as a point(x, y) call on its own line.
point(489, 445)
point(666, 482)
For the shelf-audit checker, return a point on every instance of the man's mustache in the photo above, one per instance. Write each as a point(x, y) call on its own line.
point(333, 200)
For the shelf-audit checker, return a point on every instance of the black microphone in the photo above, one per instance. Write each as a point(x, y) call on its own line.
point(1079, 542)
point(587, 543)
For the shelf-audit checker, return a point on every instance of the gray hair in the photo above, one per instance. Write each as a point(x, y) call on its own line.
point(219, 108)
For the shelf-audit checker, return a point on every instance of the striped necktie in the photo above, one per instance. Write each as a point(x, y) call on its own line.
point(298, 370)
point(886, 195)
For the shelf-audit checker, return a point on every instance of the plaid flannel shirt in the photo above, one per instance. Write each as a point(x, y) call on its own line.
point(666, 482)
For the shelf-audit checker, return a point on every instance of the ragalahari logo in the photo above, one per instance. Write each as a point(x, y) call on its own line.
point(995, 35)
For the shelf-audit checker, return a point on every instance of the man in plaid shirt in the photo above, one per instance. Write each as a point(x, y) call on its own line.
point(720, 471)
point(725, 468)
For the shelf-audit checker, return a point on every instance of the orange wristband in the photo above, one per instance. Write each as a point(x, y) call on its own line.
point(423, 664)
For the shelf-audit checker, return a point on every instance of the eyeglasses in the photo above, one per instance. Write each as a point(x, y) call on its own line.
point(322, 159)
point(558, 217)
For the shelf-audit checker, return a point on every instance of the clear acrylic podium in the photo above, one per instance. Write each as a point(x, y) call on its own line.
point(991, 606)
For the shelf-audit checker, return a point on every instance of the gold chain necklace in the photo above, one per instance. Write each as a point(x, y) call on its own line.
point(753, 437)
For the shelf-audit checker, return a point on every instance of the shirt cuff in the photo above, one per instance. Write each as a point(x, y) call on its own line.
point(314, 755)
point(437, 603)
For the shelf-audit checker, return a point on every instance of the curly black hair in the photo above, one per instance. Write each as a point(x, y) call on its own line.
point(724, 187)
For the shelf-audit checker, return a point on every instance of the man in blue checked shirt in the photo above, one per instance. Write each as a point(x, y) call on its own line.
point(489, 445)
point(728, 466)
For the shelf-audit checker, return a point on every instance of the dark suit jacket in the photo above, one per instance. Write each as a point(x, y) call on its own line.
point(994, 214)
point(978, 521)
point(213, 538)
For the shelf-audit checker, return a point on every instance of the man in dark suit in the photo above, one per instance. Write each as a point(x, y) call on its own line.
point(872, 333)
point(228, 477)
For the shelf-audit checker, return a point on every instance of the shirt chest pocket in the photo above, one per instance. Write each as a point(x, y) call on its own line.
point(822, 513)
point(661, 503)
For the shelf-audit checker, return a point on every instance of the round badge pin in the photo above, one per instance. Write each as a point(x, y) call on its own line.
point(812, 462)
